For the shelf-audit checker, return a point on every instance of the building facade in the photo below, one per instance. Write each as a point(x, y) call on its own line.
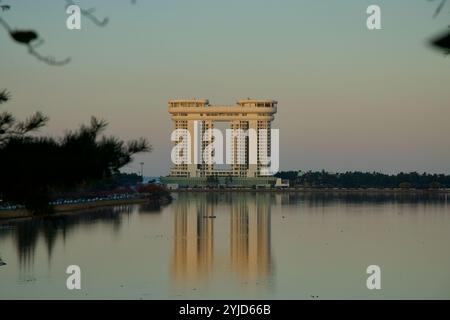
point(197, 117)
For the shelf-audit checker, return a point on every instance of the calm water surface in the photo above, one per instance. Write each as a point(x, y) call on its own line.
point(259, 245)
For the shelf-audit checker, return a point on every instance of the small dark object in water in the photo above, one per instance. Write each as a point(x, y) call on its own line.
point(2, 263)
point(210, 217)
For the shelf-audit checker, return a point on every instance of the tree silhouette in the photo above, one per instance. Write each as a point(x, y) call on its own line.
point(323, 179)
point(32, 168)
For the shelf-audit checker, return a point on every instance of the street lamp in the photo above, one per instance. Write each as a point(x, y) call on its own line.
point(142, 170)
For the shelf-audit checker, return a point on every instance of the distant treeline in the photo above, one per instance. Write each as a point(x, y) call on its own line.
point(323, 179)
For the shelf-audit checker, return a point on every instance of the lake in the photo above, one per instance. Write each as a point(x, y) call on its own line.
point(231, 245)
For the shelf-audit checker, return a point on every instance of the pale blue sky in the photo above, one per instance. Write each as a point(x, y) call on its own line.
point(349, 98)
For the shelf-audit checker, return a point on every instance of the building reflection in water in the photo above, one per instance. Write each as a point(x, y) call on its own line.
point(194, 239)
point(250, 237)
point(195, 250)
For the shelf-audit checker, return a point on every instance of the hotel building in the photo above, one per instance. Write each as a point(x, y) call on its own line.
point(197, 116)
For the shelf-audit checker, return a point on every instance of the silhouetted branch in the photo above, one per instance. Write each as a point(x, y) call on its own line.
point(4, 96)
point(9, 127)
point(97, 126)
point(137, 146)
point(33, 123)
point(89, 13)
point(27, 37)
point(47, 59)
point(439, 8)
point(442, 42)
point(6, 122)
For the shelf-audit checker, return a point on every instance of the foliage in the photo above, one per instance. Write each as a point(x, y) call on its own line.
point(10, 127)
point(154, 190)
point(115, 181)
point(212, 180)
point(323, 179)
point(32, 168)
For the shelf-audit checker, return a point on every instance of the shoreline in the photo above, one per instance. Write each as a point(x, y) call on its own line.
point(75, 208)
point(320, 190)
point(70, 208)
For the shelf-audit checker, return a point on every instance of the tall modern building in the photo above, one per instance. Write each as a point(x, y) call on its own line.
point(197, 117)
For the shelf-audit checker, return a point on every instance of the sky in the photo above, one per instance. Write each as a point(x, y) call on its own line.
point(349, 98)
